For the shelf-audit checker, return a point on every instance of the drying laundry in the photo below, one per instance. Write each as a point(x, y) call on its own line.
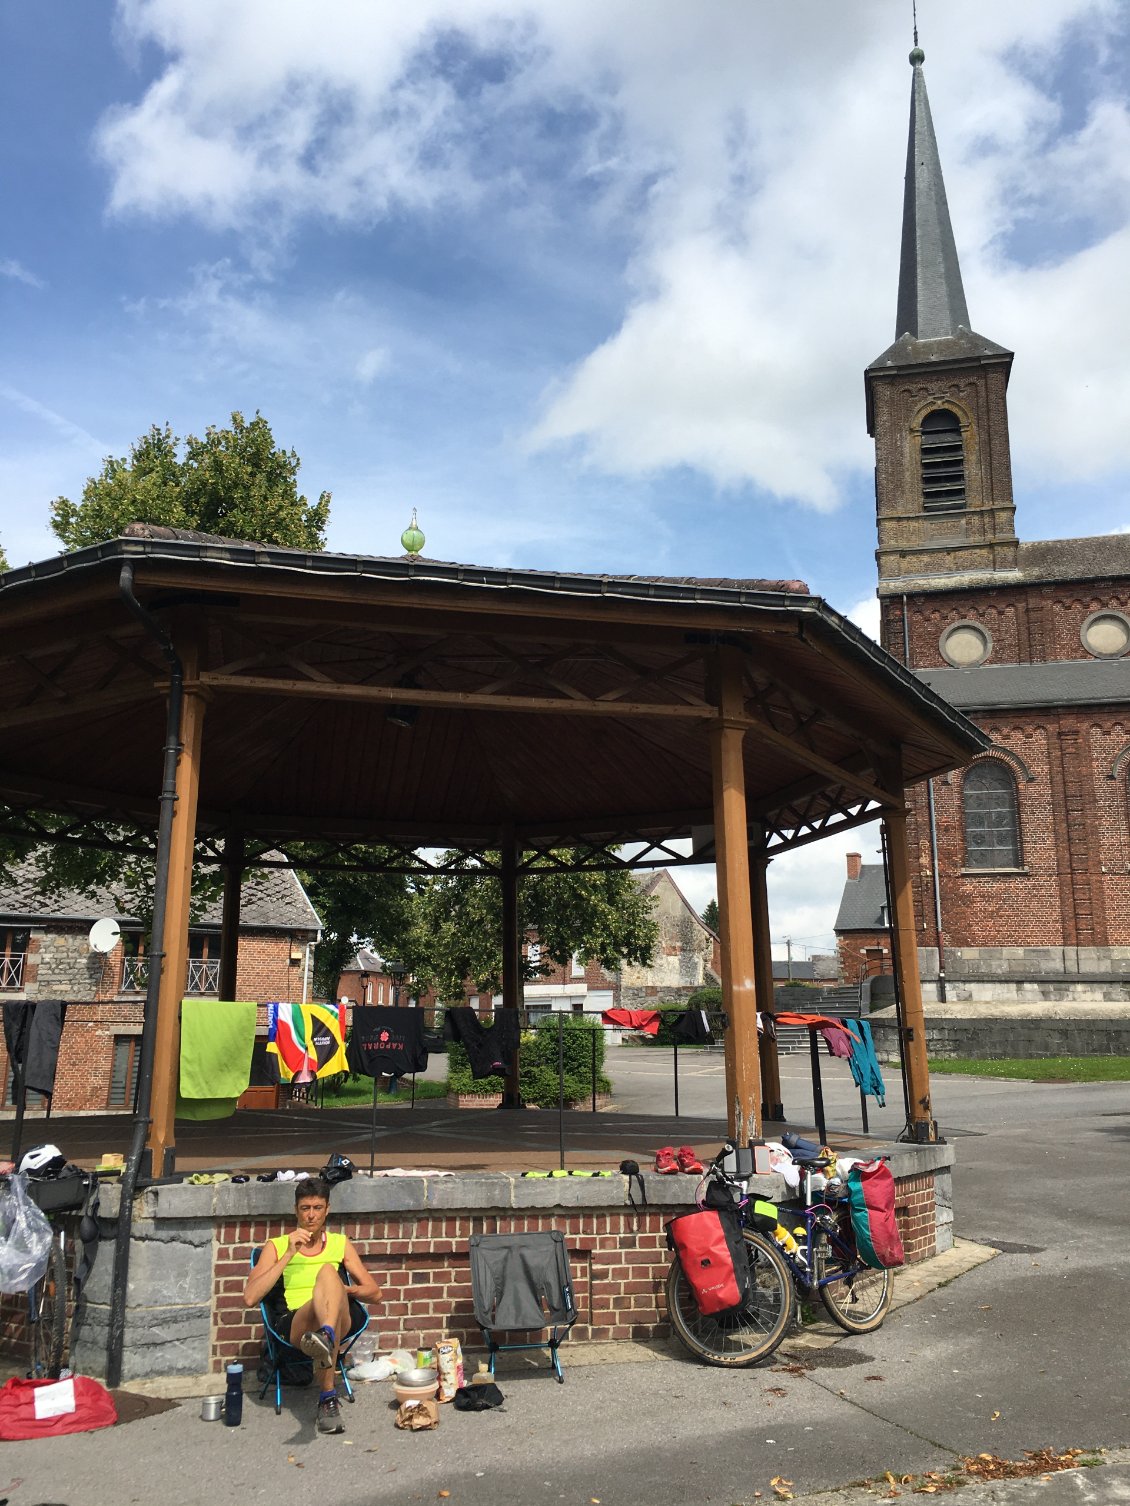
point(489, 1048)
point(646, 1020)
point(387, 1042)
point(864, 1064)
point(815, 1022)
point(216, 1041)
point(307, 1040)
point(692, 1028)
point(32, 1032)
point(837, 1041)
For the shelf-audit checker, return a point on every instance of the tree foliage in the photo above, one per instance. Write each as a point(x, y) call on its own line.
point(710, 916)
point(457, 924)
point(372, 909)
point(234, 482)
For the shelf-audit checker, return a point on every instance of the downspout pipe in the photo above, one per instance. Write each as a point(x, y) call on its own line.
point(143, 1099)
point(935, 876)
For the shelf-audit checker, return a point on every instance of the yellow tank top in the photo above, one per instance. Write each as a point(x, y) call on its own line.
point(299, 1276)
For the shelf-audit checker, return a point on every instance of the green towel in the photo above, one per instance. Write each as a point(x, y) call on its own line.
point(205, 1108)
point(216, 1040)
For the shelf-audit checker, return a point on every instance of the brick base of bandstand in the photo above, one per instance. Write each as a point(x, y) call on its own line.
point(192, 1246)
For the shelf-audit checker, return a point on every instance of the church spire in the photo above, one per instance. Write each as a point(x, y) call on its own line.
point(931, 299)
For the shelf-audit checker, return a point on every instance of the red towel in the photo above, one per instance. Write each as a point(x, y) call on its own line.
point(646, 1020)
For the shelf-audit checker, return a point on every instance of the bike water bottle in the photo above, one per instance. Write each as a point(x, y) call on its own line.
point(233, 1399)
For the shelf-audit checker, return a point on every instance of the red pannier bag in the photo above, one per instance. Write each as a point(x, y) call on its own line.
point(47, 1408)
point(871, 1195)
point(713, 1258)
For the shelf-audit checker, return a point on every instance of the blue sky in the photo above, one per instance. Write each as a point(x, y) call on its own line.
point(588, 293)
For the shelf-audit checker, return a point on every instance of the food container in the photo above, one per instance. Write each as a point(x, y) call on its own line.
point(415, 1393)
point(212, 1408)
point(419, 1376)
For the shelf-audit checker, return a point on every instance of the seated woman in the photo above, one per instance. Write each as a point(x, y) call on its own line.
point(299, 1276)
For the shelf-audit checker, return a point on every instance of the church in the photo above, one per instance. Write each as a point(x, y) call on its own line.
point(1022, 890)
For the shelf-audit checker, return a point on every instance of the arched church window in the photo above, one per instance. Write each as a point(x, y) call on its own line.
point(943, 461)
point(992, 824)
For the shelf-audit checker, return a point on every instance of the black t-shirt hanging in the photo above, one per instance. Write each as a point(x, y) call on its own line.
point(489, 1047)
point(387, 1042)
point(692, 1028)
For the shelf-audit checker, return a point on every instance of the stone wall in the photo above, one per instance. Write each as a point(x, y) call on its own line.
point(1006, 1036)
point(192, 1247)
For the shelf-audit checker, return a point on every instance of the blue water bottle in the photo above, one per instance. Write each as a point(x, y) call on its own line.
point(233, 1400)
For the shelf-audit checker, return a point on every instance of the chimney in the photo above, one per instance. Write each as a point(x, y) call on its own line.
point(854, 864)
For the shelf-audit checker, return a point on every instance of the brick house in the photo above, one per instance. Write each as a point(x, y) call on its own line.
point(1022, 890)
point(862, 926)
point(45, 953)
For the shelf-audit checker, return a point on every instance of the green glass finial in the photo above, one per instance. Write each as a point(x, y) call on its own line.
point(917, 56)
point(412, 538)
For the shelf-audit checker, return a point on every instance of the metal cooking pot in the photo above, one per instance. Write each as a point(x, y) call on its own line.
point(418, 1376)
point(212, 1408)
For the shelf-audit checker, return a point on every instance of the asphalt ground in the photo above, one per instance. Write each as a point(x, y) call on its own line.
point(1020, 1352)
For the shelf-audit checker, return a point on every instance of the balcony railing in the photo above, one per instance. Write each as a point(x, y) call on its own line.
point(203, 975)
point(12, 970)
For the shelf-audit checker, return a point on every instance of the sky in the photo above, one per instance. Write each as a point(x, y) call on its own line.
point(592, 286)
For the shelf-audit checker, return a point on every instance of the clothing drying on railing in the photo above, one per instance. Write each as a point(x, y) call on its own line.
point(307, 1040)
point(32, 1031)
point(216, 1042)
point(387, 1042)
point(864, 1064)
point(646, 1020)
point(489, 1048)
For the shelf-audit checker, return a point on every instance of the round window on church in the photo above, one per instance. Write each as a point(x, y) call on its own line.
point(1106, 635)
point(966, 644)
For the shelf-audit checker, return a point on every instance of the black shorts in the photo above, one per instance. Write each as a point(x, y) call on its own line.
point(281, 1319)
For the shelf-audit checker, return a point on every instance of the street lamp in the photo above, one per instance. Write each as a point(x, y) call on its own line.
point(396, 971)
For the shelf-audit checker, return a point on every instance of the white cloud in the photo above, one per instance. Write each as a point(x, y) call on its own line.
point(372, 364)
point(9, 267)
point(749, 160)
point(865, 615)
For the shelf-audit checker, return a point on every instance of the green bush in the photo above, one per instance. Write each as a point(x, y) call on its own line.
point(537, 1066)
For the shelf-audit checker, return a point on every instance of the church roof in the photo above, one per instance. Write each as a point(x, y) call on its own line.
point(932, 319)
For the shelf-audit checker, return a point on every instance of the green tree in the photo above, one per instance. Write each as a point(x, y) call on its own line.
point(3, 558)
point(457, 924)
point(710, 916)
point(371, 909)
point(234, 482)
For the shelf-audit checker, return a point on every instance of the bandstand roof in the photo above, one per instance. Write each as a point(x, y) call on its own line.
point(573, 709)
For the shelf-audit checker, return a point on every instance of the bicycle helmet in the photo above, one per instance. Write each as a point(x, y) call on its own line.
point(42, 1161)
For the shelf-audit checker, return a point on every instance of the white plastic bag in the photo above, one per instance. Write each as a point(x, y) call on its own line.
point(25, 1237)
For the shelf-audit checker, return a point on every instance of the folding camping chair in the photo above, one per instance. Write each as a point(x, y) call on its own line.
point(520, 1282)
point(280, 1352)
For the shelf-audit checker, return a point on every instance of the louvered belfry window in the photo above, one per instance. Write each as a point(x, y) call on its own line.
point(992, 825)
point(943, 461)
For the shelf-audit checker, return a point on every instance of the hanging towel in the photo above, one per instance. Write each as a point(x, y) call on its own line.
point(837, 1041)
point(387, 1042)
point(216, 1041)
point(646, 1020)
point(308, 1040)
point(864, 1065)
point(32, 1032)
point(489, 1048)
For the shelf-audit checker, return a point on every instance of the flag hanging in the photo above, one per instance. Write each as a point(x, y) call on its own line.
point(307, 1039)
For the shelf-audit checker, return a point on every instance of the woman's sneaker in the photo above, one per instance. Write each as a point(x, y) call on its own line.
point(329, 1415)
point(665, 1162)
point(318, 1345)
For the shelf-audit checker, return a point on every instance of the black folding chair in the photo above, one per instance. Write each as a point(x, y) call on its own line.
point(522, 1282)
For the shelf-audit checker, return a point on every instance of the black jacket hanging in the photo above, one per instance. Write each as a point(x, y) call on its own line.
point(32, 1032)
point(387, 1042)
point(489, 1048)
point(692, 1028)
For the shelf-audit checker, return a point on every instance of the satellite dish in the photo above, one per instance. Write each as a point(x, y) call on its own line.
point(104, 935)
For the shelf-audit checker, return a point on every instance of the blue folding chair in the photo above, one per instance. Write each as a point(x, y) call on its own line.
point(280, 1351)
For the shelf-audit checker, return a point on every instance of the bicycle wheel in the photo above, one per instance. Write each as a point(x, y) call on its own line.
point(752, 1333)
point(49, 1317)
point(859, 1297)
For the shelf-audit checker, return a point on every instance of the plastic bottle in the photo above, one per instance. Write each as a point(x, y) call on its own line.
point(482, 1376)
point(233, 1399)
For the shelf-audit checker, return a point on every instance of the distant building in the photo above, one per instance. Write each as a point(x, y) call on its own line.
point(862, 926)
point(45, 954)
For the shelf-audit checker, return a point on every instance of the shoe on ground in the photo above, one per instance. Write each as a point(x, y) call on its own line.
point(329, 1416)
point(317, 1347)
point(665, 1162)
point(687, 1161)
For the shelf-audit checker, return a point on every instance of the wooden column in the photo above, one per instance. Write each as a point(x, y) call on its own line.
point(174, 967)
point(735, 919)
point(229, 921)
point(771, 1104)
point(511, 958)
point(921, 1125)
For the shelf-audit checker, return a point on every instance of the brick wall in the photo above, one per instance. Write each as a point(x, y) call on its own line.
point(863, 954)
point(619, 1265)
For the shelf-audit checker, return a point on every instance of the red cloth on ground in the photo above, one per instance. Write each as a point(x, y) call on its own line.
point(646, 1020)
point(93, 1408)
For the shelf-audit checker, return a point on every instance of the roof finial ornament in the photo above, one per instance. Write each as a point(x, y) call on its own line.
point(917, 56)
point(412, 538)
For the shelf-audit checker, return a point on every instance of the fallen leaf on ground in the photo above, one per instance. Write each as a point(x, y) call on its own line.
point(874, 1377)
point(994, 1417)
point(774, 1391)
point(443, 1494)
point(781, 1487)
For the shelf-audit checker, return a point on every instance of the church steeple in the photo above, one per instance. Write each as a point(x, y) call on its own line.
point(931, 302)
point(936, 404)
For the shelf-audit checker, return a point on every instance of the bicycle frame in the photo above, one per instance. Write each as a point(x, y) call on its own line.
point(820, 1217)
